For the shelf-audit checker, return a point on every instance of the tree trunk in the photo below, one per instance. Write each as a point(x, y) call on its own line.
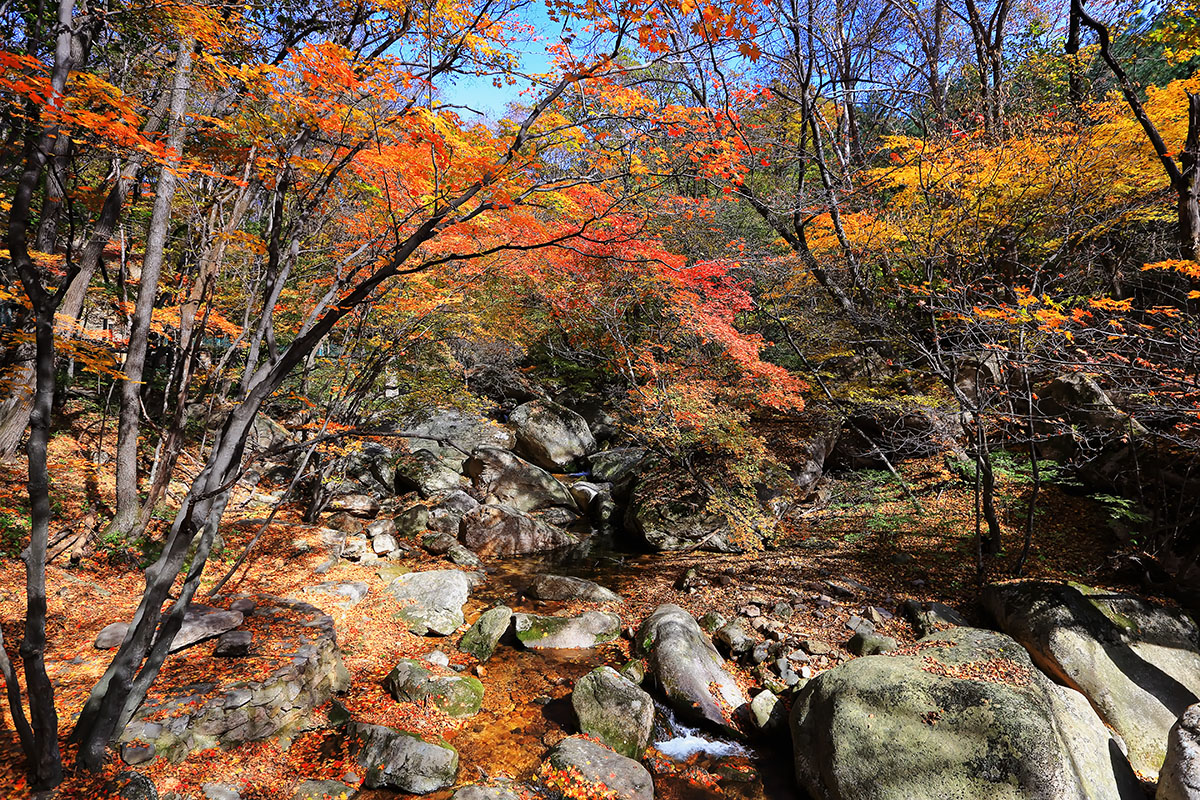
point(129, 421)
point(1189, 184)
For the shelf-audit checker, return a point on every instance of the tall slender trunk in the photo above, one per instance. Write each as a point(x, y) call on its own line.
point(1189, 184)
point(129, 422)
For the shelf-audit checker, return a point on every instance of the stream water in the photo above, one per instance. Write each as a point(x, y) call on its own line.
point(513, 733)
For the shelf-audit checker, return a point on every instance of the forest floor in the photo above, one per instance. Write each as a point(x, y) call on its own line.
point(868, 537)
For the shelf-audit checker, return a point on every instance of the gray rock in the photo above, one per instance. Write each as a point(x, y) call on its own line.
point(244, 605)
point(412, 520)
point(134, 753)
point(502, 478)
point(665, 516)
point(869, 644)
point(455, 434)
point(111, 635)
point(462, 556)
point(615, 710)
point(425, 473)
point(381, 527)
point(626, 778)
point(499, 531)
point(481, 638)
point(927, 618)
point(346, 594)
point(439, 658)
point(431, 601)
point(551, 436)
point(397, 759)
point(1179, 778)
point(233, 644)
point(970, 719)
point(619, 467)
point(566, 633)
point(733, 640)
point(1139, 664)
point(562, 587)
point(689, 669)
point(220, 791)
point(359, 505)
point(322, 790)
point(484, 793)
point(448, 510)
point(438, 543)
point(135, 786)
point(384, 544)
point(456, 695)
point(767, 713)
point(711, 621)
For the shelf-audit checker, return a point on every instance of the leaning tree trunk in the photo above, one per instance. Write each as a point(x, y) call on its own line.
point(1188, 187)
point(129, 424)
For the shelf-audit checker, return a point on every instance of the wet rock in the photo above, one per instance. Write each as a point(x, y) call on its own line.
point(689, 669)
point(972, 718)
point(234, 644)
point(566, 633)
point(456, 695)
point(551, 436)
point(624, 777)
point(481, 639)
point(1179, 778)
point(593, 499)
point(1138, 663)
point(499, 532)
point(562, 587)
point(869, 644)
point(397, 759)
point(615, 710)
point(635, 670)
point(504, 479)
point(431, 601)
point(927, 618)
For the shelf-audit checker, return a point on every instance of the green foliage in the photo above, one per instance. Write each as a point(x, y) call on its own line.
point(14, 527)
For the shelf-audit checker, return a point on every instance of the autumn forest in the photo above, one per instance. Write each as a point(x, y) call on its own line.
point(600, 399)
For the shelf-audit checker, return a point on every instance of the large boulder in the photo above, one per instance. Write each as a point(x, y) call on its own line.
point(447, 510)
point(1138, 663)
point(1179, 778)
point(588, 629)
point(1080, 400)
point(431, 601)
point(689, 670)
point(412, 681)
point(669, 517)
point(563, 587)
point(503, 479)
point(965, 715)
point(615, 710)
point(551, 436)
point(424, 472)
point(618, 467)
point(500, 531)
point(599, 767)
point(481, 638)
point(452, 435)
point(397, 759)
point(200, 623)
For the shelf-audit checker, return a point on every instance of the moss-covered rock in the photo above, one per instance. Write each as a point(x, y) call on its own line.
point(567, 633)
point(615, 710)
point(412, 681)
point(963, 715)
point(481, 638)
point(1138, 663)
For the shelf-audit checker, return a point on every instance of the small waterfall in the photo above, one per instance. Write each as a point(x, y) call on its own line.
point(678, 741)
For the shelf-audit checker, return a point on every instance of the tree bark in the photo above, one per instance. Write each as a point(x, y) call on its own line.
point(129, 504)
point(1189, 185)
